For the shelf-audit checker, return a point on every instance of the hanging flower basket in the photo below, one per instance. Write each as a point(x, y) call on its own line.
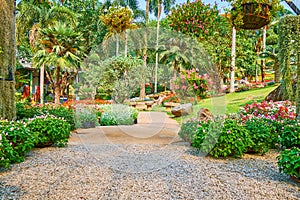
point(252, 15)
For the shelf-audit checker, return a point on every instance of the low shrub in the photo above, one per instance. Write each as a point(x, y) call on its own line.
point(289, 135)
point(262, 133)
point(118, 114)
point(26, 111)
point(86, 117)
point(222, 138)
point(189, 129)
point(289, 162)
point(49, 130)
point(234, 140)
point(16, 141)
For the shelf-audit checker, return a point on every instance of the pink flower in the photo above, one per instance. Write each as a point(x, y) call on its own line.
point(195, 86)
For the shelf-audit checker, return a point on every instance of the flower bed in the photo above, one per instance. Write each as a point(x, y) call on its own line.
point(257, 128)
point(19, 137)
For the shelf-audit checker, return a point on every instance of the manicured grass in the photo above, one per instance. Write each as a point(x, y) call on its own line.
point(230, 103)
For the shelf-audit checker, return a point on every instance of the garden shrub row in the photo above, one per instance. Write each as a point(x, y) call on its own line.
point(17, 138)
point(26, 111)
point(257, 128)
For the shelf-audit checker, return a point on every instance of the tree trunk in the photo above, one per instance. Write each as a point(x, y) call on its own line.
point(126, 44)
point(117, 44)
point(298, 78)
point(276, 71)
point(7, 59)
point(42, 73)
point(143, 89)
point(263, 61)
point(157, 38)
point(57, 86)
point(232, 59)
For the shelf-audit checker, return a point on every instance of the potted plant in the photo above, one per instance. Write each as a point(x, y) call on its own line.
point(86, 117)
point(253, 14)
point(289, 163)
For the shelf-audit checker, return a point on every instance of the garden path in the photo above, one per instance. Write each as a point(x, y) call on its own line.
point(152, 128)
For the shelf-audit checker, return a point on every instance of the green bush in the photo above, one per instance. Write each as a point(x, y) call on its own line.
point(229, 139)
point(262, 133)
point(63, 112)
point(289, 162)
point(233, 141)
point(49, 130)
point(289, 135)
point(118, 114)
point(86, 117)
point(188, 130)
point(16, 141)
point(26, 111)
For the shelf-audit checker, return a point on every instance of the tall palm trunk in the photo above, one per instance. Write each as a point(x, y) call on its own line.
point(7, 59)
point(298, 79)
point(157, 38)
point(232, 59)
point(263, 61)
point(143, 89)
point(57, 86)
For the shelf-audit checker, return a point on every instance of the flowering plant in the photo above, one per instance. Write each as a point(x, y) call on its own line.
point(289, 162)
point(197, 83)
point(270, 110)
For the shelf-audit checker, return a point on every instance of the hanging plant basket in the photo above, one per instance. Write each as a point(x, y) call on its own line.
point(254, 15)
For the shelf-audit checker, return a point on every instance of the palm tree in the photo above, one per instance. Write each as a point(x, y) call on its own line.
point(157, 9)
point(61, 47)
point(7, 59)
point(35, 15)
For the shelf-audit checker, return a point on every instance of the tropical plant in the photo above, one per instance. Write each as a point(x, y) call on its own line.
point(61, 47)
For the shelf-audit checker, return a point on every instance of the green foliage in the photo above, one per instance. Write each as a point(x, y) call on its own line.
point(86, 117)
point(16, 141)
point(118, 114)
point(118, 19)
point(49, 130)
point(188, 131)
point(221, 139)
point(289, 134)
point(234, 140)
point(194, 18)
point(200, 133)
point(116, 77)
point(26, 111)
point(289, 162)
point(262, 133)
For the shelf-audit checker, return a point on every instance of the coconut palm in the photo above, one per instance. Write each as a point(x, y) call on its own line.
point(60, 47)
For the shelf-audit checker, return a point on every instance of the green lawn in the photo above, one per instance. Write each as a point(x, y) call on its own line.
point(230, 103)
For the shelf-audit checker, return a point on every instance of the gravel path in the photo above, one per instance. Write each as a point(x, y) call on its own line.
point(173, 171)
point(113, 163)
